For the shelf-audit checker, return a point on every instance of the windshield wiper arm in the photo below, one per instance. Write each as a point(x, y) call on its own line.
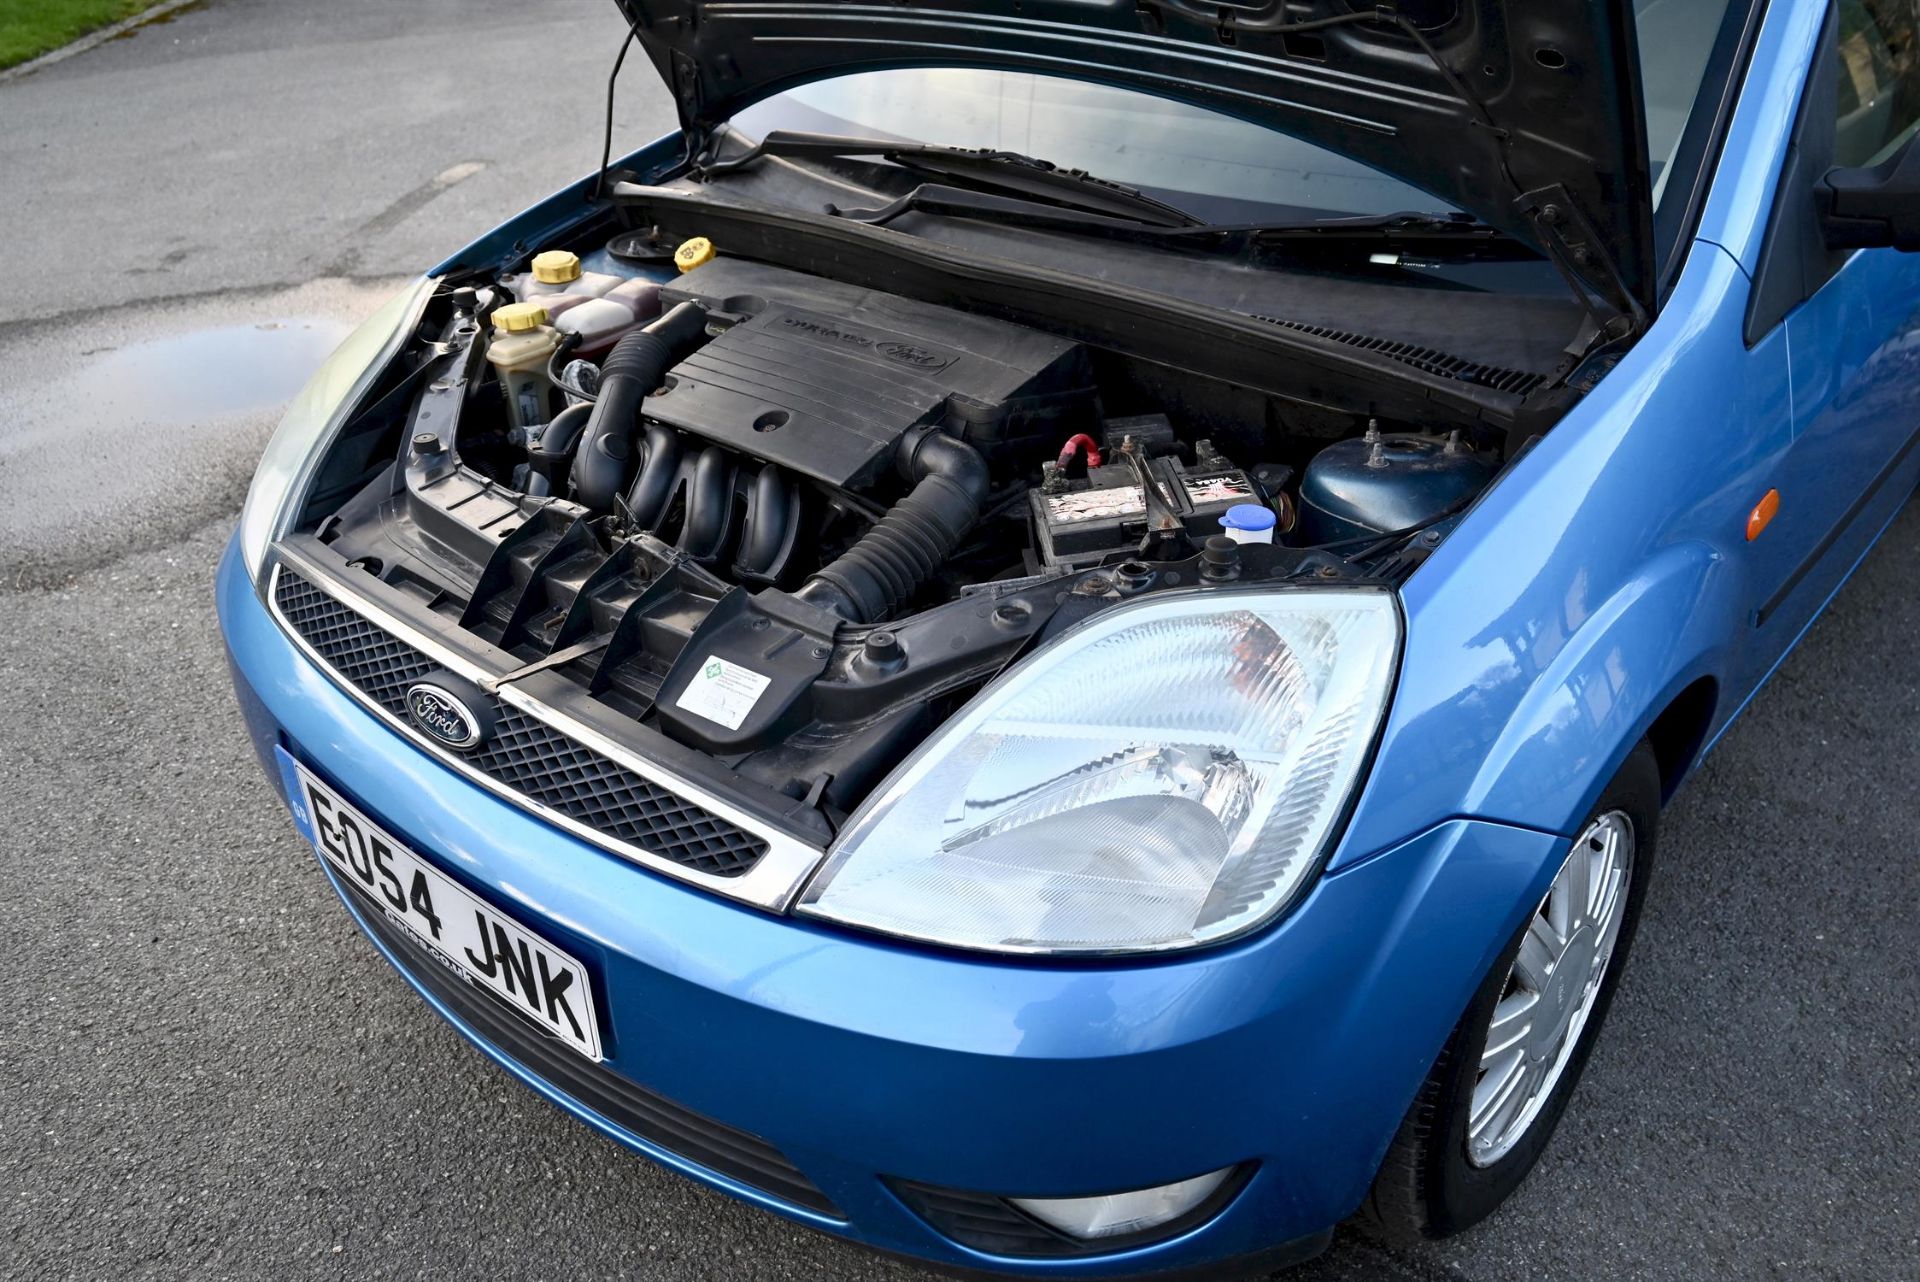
point(1007, 170)
point(1428, 231)
point(1072, 199)
point(963, 202)
point(1405, 224)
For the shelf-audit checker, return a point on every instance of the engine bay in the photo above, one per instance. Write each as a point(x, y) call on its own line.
point(792, 522)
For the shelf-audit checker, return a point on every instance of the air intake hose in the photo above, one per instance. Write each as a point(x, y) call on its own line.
point(877, 575)
point(549, 460)
point(634, 367)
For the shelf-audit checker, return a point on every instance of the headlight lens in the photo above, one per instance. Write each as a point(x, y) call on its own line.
point(314, 414)
point(1164, 775)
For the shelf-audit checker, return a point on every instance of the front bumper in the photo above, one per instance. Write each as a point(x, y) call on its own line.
point(862, 1061)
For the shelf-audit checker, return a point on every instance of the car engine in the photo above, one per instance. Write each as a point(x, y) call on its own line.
point(790, 522)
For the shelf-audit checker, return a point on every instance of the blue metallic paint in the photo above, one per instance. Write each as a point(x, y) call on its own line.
point(1738, 206)
point(1299, 1048)
point(1591, 585)
point(1609, 569)
point(1604, 574)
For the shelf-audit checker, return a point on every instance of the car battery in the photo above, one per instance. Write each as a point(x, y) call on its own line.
point(1082, 522)
point(1210, 487)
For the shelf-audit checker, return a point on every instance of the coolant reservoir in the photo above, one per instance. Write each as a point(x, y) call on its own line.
point(521, 344)
point(642, 295)
point(557, 271)
point(601, 322)
point(558, 305)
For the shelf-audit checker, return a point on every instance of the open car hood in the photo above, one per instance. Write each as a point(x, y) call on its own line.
point(1525, 114)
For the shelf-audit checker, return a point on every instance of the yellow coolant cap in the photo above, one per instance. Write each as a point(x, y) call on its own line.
point(556, 267)
point(693, 253)
point(518, 318)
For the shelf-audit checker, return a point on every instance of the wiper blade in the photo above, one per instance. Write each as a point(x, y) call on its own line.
point(1431, 232)
point(1006, 170)
point(962, 202)
point(1029, 177)
point(1401, 240)
point(1048, 196)
point(1406, 225)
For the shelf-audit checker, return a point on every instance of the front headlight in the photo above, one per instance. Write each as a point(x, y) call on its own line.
point(1166, 774)
point(313, 416)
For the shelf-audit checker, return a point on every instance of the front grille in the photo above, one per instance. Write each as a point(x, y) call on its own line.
point(526, 756)
point(735, 1154)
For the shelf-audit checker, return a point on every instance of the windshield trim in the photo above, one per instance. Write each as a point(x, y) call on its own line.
point(1703, 140)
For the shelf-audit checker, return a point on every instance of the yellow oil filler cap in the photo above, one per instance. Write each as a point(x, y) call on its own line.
point(693, 253)
point(518, 318)
point(556, 267)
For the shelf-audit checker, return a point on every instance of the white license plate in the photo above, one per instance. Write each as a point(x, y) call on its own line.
point(489, 949)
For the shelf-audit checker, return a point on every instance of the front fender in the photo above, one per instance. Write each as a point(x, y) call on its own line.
point(1663, 630)
point(1536, 751)
point(1601, 576)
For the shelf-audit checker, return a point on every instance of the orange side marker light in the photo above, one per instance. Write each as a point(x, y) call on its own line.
point(1763, 513)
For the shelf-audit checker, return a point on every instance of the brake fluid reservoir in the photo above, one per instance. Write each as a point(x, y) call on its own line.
point(521, 344)
point(557, 271)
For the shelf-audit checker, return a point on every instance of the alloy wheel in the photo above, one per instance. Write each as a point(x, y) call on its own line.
point(1552, 987)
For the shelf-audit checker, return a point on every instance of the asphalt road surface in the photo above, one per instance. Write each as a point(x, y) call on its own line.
point(205, 1071)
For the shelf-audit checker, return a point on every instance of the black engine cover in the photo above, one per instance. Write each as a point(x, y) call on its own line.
point(823, 378)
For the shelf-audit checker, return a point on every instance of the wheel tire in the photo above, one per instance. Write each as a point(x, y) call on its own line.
point(1427, 1187)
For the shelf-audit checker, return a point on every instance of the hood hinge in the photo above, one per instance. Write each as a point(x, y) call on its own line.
point(687, 99)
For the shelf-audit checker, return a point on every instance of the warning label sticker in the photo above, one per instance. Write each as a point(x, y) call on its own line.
point(722, 692)
point(1091, 505)
point(1219, 487)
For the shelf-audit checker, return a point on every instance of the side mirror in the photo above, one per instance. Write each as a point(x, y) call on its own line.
point(1873, 207)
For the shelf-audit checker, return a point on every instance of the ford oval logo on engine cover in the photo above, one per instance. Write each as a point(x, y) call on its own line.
point(444, 715)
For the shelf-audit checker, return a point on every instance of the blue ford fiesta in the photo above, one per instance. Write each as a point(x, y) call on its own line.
point(1053, 639)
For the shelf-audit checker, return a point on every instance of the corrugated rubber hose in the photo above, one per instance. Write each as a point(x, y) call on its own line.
point(634, 367)
point(881, 572)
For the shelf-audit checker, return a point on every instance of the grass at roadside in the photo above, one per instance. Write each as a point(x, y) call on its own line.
point(29, 28)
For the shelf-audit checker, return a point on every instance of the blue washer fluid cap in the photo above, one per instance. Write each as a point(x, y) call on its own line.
point(1250, 518)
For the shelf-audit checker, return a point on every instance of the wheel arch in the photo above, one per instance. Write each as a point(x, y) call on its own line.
point(1679, 732)
point(1646, 664)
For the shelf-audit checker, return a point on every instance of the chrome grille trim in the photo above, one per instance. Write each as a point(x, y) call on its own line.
point(771, 884)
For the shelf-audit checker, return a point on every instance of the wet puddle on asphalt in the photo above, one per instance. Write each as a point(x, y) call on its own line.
point(131, 427)
point(209, 373)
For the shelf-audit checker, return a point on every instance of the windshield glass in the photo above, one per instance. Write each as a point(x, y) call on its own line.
point(1212, 165)
point(1216, 166)
point(1676, 39)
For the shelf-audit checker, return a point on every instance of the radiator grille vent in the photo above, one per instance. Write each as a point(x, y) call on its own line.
point(524, 755)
